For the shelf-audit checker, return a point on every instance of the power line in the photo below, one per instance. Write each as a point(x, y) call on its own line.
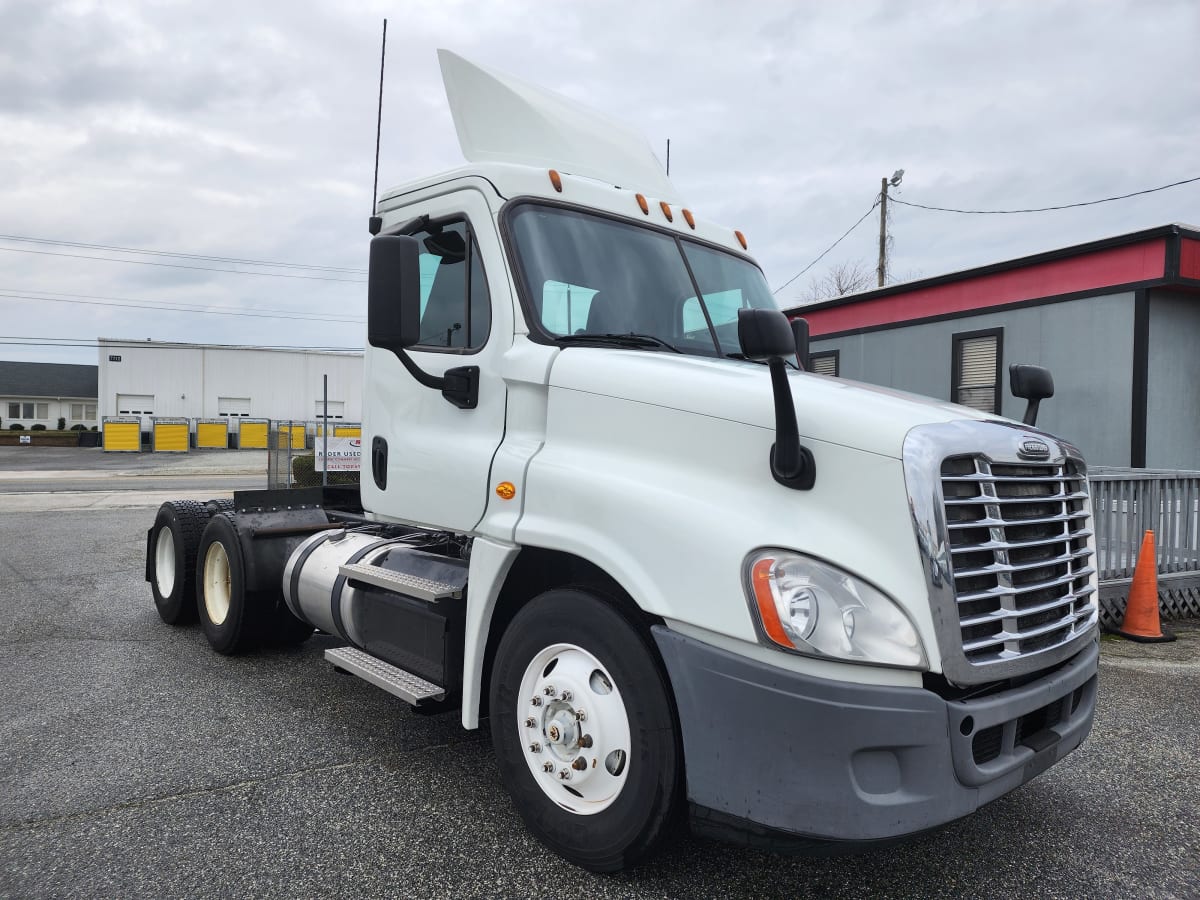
point(146, 262)
point(180, 255)
point(827, 249)
point(1009, 212)
point(89, 300)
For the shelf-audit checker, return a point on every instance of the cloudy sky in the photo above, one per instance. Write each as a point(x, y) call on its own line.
point(246, 132)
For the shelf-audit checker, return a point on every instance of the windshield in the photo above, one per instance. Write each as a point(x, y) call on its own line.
point(590, 275)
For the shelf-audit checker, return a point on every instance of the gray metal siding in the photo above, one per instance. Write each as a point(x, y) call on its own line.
point(1087, 344)
point(1173, 382)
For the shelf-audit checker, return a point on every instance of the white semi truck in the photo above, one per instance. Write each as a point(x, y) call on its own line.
point(603, 506)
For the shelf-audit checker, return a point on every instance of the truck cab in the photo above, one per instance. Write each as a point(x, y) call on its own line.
point(603, 506)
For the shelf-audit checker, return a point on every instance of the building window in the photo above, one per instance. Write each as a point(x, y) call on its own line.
point(975, 377)
point(83, 412)
point(28, 409)
point(825, 362)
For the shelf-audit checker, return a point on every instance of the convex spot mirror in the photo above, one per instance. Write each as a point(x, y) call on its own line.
point(394, 292)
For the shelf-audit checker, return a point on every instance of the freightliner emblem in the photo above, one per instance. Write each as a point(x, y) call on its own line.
point(1032, 448)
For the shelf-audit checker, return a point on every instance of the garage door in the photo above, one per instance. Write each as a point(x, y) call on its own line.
point(233, 406)
point(122, 435)
point(297, 436)
point(252, 435)
point(347, 431)
point(171, 436)
point(212, 435)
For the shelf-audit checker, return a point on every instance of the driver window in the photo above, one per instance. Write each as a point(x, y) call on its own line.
point(455, 307)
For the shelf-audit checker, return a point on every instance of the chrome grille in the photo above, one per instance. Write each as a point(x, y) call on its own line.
point(1020, 558)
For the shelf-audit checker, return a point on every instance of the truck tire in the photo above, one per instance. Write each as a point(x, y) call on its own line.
point(585, 730)
point(234, 620)
point(171, 559)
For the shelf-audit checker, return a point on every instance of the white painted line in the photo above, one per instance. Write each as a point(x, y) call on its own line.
point(68, 501)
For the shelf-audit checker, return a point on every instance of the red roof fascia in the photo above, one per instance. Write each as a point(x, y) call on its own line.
point(1189, 258)
point(1141, 261)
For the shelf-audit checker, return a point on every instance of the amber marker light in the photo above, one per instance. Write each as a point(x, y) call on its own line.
point(643, 204)
point(506, 490)
point(741, 239)
point(556, 180)
point(690, 219)
point(760, 581)
point(666, 208)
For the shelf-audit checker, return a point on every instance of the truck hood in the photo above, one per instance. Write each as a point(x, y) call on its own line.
point(833, 410)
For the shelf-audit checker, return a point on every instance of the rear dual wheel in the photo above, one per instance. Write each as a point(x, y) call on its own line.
point(171, 559)
point(236, 620)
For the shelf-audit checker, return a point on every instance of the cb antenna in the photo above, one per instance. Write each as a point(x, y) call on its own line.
point(375, 223)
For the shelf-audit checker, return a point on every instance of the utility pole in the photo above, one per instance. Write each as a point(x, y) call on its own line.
point(884, 182)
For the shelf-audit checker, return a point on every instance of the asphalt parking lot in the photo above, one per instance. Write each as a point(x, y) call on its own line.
point(134, 762)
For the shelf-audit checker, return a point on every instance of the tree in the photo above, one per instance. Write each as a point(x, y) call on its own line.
point(839, 280)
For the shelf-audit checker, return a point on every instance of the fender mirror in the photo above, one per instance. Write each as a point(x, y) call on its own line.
point(1032, 383)
point(767, 336)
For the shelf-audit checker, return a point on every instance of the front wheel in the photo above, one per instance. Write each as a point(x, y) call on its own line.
point(585, 730)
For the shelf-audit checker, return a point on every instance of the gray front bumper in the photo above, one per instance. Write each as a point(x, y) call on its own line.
point(773, 752)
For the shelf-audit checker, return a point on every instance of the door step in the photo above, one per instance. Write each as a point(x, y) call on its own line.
point(408, 687)
point(401, 582)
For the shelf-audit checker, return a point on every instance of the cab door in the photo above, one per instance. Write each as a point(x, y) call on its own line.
point(425, 460)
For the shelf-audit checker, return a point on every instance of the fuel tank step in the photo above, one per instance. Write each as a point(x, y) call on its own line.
point(405, 685)
point(401, 582)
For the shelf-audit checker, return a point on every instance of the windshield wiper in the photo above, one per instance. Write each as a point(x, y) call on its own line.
point(629, 339)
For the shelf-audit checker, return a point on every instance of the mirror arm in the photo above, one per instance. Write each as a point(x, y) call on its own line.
point(1031, 411)
point(459, 386)
point(792, 464)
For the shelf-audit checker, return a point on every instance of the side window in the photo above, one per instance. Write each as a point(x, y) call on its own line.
point(455, 307)
point(975, 377)
point(565, 307)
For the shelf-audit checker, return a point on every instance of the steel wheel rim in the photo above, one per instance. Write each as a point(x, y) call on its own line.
point(216, 583)
point(573, 729)
point(164, 562)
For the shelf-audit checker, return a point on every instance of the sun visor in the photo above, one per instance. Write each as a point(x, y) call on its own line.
point(502, 119)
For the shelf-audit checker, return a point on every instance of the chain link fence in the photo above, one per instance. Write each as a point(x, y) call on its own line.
point(292, 447)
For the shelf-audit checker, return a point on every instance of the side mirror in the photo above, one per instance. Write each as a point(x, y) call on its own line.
point(765, 333)
point(1032, 383)
point(394, 292)
point(767, 336)
point(800, 334)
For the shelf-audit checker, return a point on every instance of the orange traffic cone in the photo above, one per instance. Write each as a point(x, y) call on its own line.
point(1141, 612)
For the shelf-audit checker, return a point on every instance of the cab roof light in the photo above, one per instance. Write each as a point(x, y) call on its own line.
point(556, 180)
point(741, 239)
point(690, 219)
point(666, 208)
point(645, 207)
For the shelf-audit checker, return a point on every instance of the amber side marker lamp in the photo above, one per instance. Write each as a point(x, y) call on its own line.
point(645, 207)
point(506, 490)
point(741, 239)
point(666, 208)
point(760, 581)
point(690, 219)
point(556, 180)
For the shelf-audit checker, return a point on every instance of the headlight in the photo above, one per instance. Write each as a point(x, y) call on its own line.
point(814, 608)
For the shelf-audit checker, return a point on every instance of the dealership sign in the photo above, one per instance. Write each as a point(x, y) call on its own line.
point(345, 454)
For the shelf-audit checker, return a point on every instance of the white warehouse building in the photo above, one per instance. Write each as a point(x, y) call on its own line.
point(158, 379)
